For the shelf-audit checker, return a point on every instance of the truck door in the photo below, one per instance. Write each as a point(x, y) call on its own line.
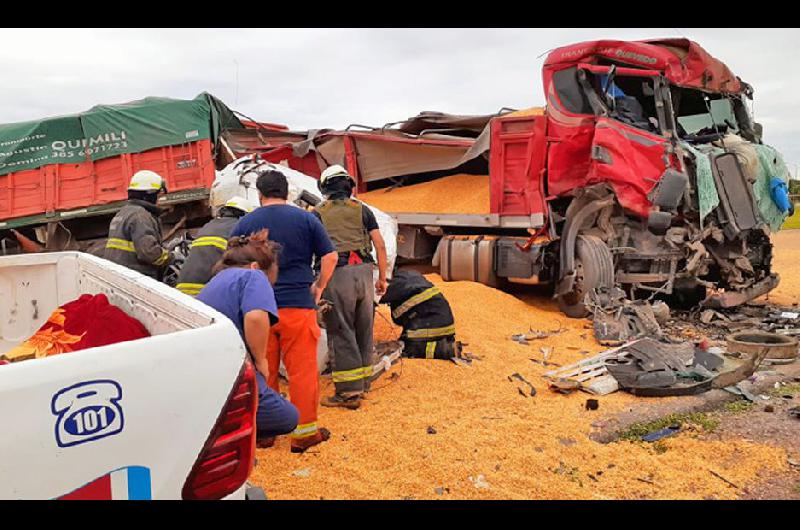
point(631, 160)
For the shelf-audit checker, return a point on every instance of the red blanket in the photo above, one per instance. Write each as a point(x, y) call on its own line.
point(84, 323)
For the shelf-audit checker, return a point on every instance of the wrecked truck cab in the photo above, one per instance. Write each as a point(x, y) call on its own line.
point(657, 162)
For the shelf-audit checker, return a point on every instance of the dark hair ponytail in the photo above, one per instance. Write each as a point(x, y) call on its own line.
point(244, 250)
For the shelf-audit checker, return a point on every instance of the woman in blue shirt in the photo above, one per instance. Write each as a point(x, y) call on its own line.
point(241, 289)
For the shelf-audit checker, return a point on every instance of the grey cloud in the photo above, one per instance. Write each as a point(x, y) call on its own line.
point(333, 77)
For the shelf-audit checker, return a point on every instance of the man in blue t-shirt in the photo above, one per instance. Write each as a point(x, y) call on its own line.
point(301, 237)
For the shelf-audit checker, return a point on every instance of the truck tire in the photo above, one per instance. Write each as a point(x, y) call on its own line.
point(594, 268)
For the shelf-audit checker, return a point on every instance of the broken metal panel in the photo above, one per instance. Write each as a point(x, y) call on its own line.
point(736, 195)
point(735, 298)
point(460, 125)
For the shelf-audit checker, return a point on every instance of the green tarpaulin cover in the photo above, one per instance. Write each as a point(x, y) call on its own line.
point(110, 130)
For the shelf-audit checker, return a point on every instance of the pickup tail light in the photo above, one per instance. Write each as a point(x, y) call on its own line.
point(227, 456)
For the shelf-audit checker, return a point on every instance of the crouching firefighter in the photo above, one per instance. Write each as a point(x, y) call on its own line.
point(134, 236)
point(353, 230)
point(209, 246)
point(425, 316)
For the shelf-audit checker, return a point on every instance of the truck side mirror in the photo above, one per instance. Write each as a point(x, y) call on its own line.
point(758, 129)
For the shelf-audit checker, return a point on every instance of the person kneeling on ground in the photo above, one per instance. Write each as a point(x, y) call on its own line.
point(425, 315)
point(241, 289)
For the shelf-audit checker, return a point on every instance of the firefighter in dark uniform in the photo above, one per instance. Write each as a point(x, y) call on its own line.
point(134, 236)
point(425, 316)
point(352, 228)
point(210, 245)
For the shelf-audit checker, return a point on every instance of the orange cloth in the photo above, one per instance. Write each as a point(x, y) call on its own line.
point(87, 322)
point(295, 338)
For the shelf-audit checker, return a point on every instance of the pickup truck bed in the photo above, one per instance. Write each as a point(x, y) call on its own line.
point(127, 420)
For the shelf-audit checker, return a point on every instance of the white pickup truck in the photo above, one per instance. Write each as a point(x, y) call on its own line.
point(171, 416)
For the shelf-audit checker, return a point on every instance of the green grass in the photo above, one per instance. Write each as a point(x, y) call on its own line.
point(639, 429)
point(735, 407)
point(793, 221)
point(791, 389)
point(659, 447)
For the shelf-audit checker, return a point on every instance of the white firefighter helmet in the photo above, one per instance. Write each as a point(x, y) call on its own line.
point(240, 203)
point(333, 171)
point(146, 180)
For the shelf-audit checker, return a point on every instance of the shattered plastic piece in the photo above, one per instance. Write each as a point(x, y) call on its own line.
point(795, 411)
point(663, 433)
point(302, 473)
point(520, 339)
point(480, 482)
point(739, 391)
point(431, 430)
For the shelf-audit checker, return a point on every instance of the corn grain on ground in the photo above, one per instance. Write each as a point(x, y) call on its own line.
point(460, 193)
point(524, 447)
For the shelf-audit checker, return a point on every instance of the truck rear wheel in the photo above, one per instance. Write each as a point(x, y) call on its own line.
point(594, 267)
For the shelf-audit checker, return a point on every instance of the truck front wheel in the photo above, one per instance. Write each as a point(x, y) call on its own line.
point(594, 267)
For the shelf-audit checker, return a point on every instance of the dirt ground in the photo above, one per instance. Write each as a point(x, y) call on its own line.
point(437, 430)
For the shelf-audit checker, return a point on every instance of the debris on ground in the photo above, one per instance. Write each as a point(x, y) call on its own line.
point(723, 478)
point(430, 430)
point(480, 482)
point(615, 319)
point(592, 404)
point(795, 411)
point(302, 473)
point(520, 378)
point(532, 334)
point(739, 391)
point(588, 374)
point(662, 433)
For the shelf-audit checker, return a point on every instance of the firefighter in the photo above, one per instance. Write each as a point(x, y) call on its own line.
point(134, 236)
point(352, 228)
point(425, 316)
point(209, 246)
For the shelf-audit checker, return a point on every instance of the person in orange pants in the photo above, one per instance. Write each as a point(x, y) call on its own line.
point(295, 335)
point(302, 238)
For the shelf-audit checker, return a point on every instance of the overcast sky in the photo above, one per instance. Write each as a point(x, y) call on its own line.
point(334, 77)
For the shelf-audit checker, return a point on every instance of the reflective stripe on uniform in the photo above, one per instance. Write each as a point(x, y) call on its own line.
point(305, 430)
point(432, 333)
point(211, 241)
point(190, 288)
point(430, 349)
point(352, 375)
point(120, 244)
point(417, 299)
point(162, 259)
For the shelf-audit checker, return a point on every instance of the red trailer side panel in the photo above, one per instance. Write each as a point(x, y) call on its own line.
point(68, 186)
point(516, 165)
